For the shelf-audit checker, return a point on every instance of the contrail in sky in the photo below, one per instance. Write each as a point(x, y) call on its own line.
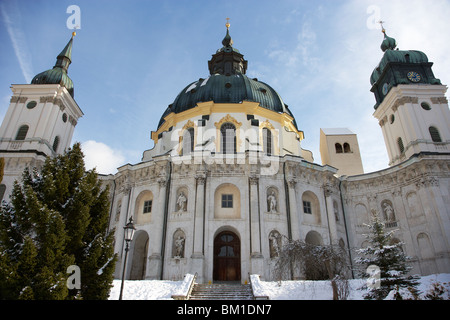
point(11, 20)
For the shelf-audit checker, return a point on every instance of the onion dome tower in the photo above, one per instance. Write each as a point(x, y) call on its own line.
point(411, 105)
point(40, 120)
point(227, 83)
point(58, 74)
point(42, 115)
point(228, 90)
point(399, 67)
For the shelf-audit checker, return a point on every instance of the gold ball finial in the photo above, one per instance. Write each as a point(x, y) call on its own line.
point(228, 23)
point(74, 34)
point(382, 28)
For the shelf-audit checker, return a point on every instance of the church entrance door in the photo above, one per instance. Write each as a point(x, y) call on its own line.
point(227, 257)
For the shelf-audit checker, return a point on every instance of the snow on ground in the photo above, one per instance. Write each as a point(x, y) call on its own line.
point(307, 290)
point(286, 290)
point(145, 289)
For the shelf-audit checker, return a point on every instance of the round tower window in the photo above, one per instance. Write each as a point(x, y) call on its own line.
point(64, 117)
point(31, 104)
point(392, 118)
point(425, 106)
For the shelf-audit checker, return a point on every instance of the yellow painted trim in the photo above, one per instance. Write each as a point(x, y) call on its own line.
point(207, 108)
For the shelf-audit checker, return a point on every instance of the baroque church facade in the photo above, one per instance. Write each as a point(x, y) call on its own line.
point(227, 178)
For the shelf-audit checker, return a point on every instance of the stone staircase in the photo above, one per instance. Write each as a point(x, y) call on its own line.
point(221, 291)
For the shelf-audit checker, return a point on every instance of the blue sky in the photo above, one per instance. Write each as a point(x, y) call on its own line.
point(131, 58)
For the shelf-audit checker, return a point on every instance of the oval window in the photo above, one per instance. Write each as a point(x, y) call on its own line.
point(31, 104)
point(425, 106)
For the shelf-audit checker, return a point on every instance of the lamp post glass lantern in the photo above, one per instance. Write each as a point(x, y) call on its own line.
point(129, 230)
point(128, 236)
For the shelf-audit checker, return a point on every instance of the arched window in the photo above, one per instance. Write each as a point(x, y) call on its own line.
point(188, 141)
point(311, 208)
point(435, 136)
point(346, 148)
point(228, 133)
point(55, 143)
point(401, 147)
point(227, 202)
point(267, 141)
point(22, 132)
point(338, 147)
point(144, 207)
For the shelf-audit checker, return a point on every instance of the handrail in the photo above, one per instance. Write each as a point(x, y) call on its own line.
point(185, 295)
point(258, 296)
point(191, 286)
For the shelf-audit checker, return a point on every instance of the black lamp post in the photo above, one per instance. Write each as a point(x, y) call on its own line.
point(128, 235)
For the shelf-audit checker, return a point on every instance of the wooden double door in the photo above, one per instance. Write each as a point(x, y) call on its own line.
point(227, 257)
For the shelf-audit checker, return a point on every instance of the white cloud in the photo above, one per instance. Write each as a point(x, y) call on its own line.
point(102, 157)
point(11, 17)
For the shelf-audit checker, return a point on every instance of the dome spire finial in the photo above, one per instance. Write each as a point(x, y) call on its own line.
point(58, 74)
point(388, 42)
point(227, 41)
point(382, 28)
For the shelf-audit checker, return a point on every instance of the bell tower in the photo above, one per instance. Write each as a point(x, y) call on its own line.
point(411, 105)
point(40, 120)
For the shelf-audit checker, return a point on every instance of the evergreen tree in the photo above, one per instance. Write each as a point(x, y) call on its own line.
point(56, 218)
point(389, 257)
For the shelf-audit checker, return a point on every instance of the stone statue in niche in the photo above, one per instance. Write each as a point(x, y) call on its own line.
point(272, 202)
point(181, 202)
point(388, 212)
point(179, 247)
point(274, 244)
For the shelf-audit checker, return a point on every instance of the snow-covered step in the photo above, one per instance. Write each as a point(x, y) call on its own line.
point(221, 292)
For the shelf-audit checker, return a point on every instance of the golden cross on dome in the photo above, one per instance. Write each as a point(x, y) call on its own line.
point(228, 23)
point(381, 24)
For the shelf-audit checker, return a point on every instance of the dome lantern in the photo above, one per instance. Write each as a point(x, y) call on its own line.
point(227, 83)
point(227, 60)
point(58, 75)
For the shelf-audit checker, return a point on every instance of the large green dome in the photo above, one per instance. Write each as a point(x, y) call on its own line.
point(227, 89)
point(397, 56)
point(227, 83)
point(399, 67)
point(58, 75)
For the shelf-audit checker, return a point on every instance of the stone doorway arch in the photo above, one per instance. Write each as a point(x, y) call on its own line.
point(227, 257)
point(139, 256)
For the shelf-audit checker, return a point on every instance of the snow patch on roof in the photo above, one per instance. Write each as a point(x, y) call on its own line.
point(336, 131)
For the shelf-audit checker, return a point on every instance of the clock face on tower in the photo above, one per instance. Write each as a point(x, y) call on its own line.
point(385, 88)
point(413, 76)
